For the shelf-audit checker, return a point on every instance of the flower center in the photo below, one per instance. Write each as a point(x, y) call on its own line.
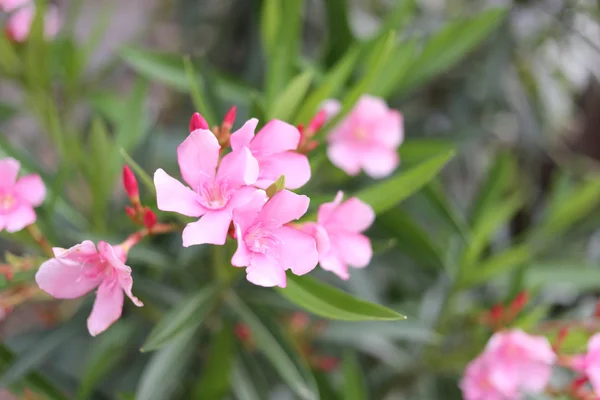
point(214, 195)
point(261, 240)
point(7, 202)
point(360, 134)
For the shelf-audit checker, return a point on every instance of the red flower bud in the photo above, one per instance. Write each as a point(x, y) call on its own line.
point(130, 184)
point(299, 322)
point(243, 332)
point(300, 128)
point(317, 122)
point(198, 122)
point(149, 218)
point(496, 315)
point(229, 118)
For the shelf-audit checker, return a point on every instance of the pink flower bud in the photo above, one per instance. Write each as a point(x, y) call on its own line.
point(198, 122)
point(130, 184)
point(149, 218)
point(229, 118)
point(131, 213)
point(318, 121)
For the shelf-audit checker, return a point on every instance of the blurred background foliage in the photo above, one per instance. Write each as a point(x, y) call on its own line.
point(510, 86)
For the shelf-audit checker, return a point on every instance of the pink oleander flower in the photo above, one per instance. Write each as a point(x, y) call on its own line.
point(267, 246)
point(82, 268)
point(338, 235)
point(274, 146)
point(589, 363)
point(477, 385)
point(215, 192)
point(368, 138)
point(18, 197)
point(22, 16)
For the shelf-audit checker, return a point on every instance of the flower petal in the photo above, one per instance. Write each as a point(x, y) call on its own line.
point(122, 271)
point(107, 307)
point(238, 168)
point(212, 228)
point(389, 131)
point(63, 278)
point(19, 217)
point(284, 207)
point(31, 189)
point(332, 262)
point(275, 137)
point(9, 168)
point(198, 156)
point(298, 251)
point(326, 209)
point(241, 257)
point(172, 195)
point(332, 107)
point(294, 166)
point(378, 161)
point(355, 249)
point(319, 234)
point(265, 271)
point(82, 252)
point(344, 156)
point(243, 136)
point(352, 215)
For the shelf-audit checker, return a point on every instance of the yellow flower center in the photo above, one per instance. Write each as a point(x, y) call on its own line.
point(7, 201)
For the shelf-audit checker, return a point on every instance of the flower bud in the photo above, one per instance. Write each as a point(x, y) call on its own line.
point(149, 218)
point(131, 213)
point(131, 185)
point(317, 122)
point(198, 122)
point(229, 118)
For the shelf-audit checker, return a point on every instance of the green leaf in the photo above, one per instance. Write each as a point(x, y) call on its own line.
point(164, 68)
point(276, 187)
point(37, 354)
point(216, 376)
point(329, 302)
point(565, 274)
point(399, 16)
point(338, 30)
point(7, 111)
point(413, 151)
point(163, 374)
point(269, 24)
point(288, 101)
point(396, 68)
point(107, 353)
point(387, 194)
point(332, 83)
point(411, 239)
point(449, 45)
point(496, 265)
point(9, 60)
point(245, 383)
point(354, 381)
point(198, 92)
point(101, 149)
point(293, 373)
point(189, 312)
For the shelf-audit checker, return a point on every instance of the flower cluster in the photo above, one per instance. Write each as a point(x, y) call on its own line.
point(22, 14)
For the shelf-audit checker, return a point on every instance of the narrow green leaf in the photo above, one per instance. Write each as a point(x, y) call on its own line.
point(354, 381)
point(566, 274)
point(164, 68)
point(448, 212)
point(387, 194)
point(329, 302)
point(288, 101)
point(198, 93)
point(395, 69)
point(244, 383)
point(338, 30)
point(497, 265)
point(413, 151)
point(411, 239)
point(107, 353)
point(162, 377)
point(269, 24)
point(189, 312)
point(293, 373)
point(9, 61)
point(399, 16)
point(216, 371)
point(133, 122)
point(332, 84)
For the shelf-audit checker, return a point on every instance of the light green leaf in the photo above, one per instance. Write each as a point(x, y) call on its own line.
point(329, 302)
point(287, 365)
point(189, 312)
point(245, 383)
point(413, 151)
point(354, 381)
point(566, 274)
point(198, 92)
point(387, 194)
point(331, 85)
point(287, 102)
point(496, 265)
point(216, 371)
point(397, 18)
point(164, 68)
point(395, 69)
point(269, 24)
point(162, 376)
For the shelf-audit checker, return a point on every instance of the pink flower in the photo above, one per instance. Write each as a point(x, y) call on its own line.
point(267, 246)
point(368, 138)
point(589, 363)
point(82, 268)
point(338, 235)
point(476, 384)
point(22, 16)
point(215, 192)
point(274, 147)
point(18, 197)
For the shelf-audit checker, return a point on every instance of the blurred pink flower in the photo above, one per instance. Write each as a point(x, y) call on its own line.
point(267, 246)
point(589, 363)
point(476, 383)
point(18, 197)
point(82, 268)
point(214, 192)
point(22, 16)
point(368, 138)
point(513, 363)
point(274, 146)
point(338, 235)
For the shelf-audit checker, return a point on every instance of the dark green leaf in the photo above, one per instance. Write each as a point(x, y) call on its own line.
point(339, 34)
point(354, 381)
point(216, 371)
point(199, 94)
point(329, 302)
point(497, 264)
point(188, 313)
point(7, 111)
